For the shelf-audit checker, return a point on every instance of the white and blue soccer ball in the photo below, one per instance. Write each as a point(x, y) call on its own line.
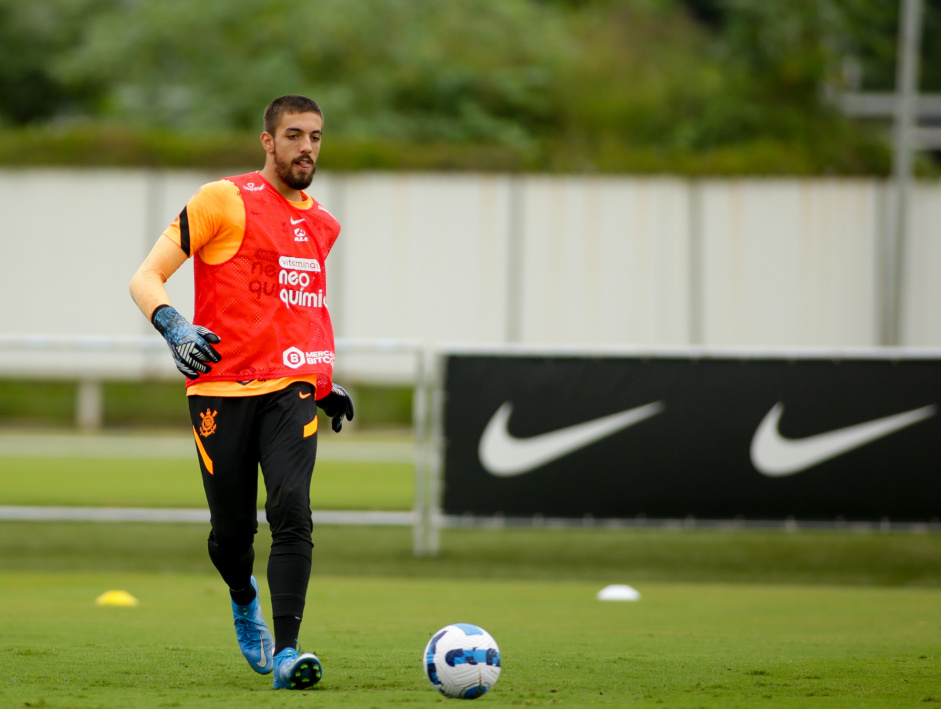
point(462, 661)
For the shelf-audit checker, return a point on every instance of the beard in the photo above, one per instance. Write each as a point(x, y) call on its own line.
point(286, 172)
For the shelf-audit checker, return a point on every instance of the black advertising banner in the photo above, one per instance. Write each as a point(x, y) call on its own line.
point(708, 437)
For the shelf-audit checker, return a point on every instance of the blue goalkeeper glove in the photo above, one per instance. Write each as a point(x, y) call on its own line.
point(336, 405)
point(189, 344)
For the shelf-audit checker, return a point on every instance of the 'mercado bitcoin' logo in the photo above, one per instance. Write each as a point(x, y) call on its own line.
point(294, 357)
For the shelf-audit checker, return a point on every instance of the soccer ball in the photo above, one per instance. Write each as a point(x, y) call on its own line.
point(462, 661)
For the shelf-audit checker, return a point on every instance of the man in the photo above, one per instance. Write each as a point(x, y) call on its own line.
point(258, 363)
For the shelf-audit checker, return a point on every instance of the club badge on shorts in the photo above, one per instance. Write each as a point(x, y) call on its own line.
point(208, 426)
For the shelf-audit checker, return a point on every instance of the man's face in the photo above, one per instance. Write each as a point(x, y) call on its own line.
point(295, 147)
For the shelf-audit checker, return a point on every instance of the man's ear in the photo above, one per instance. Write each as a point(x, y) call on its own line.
point(267, 140)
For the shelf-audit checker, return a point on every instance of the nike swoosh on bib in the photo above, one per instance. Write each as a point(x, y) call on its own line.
point(776, 456)
point(504, 455)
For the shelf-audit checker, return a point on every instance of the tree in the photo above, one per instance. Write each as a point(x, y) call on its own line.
point(31, 34)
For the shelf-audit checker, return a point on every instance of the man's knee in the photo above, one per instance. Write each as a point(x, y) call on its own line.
point(288, 510)
point(232, 540)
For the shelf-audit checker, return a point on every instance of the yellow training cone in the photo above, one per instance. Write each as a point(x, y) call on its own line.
point(116, 598)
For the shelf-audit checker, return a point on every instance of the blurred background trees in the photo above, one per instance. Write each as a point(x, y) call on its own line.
point(686, 86)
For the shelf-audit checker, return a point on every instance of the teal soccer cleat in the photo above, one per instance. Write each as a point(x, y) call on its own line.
point(253, 634)
point(293, 671)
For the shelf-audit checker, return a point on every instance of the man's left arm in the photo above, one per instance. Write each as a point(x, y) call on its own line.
point(337, 404)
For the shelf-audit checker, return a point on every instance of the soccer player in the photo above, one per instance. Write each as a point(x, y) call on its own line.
point(259, 360)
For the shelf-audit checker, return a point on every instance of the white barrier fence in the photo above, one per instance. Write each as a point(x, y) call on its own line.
point(73, 358)
point(489, 260)
point(511, 259)
point(426, 375)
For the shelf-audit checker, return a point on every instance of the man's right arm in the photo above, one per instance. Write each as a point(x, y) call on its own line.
point(215, 211)
point(190, 345)
point(147, 285)
point(214, 225)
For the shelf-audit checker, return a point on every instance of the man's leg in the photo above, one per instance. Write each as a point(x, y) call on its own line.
point(228, 456)
point(288, 443)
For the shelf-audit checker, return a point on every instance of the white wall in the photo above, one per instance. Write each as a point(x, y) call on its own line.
point(492, 259)
point(790, 263)
point(422, 257)
point(921, 294)
point(604, 261)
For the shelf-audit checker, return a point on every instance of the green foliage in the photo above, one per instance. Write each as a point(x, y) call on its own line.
point(32, 34)
point(378, 406)
point(161, 404)
point(137, 404)
point(396, 69)
point(777, 57)
point(110, 145)
point(847, 152)
point(871, 42)
point(647, 86)
point(37, 401)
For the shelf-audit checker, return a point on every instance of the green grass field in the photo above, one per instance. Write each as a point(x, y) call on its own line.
point(127, 482)
point(727, 618)
point(681, 645)
point(371, 608)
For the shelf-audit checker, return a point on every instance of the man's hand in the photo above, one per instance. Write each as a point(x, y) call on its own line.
point(336, 405)
point(189, 344)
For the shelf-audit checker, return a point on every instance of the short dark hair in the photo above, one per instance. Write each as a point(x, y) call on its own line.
point(291, 103)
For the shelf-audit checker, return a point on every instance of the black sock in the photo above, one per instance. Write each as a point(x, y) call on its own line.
point(244, 596)
point(286, 630)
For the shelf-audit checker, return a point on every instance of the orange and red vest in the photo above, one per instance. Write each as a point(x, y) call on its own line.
point(268, 302)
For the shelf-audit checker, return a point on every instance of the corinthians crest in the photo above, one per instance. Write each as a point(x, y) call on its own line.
point(208, 426)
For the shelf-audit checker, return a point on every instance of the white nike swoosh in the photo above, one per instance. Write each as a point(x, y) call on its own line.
point(776, 456)
point(504, 455)
point(296, 221)
point(264, 659)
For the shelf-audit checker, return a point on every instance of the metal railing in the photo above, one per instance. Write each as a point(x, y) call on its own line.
point(73, 358)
